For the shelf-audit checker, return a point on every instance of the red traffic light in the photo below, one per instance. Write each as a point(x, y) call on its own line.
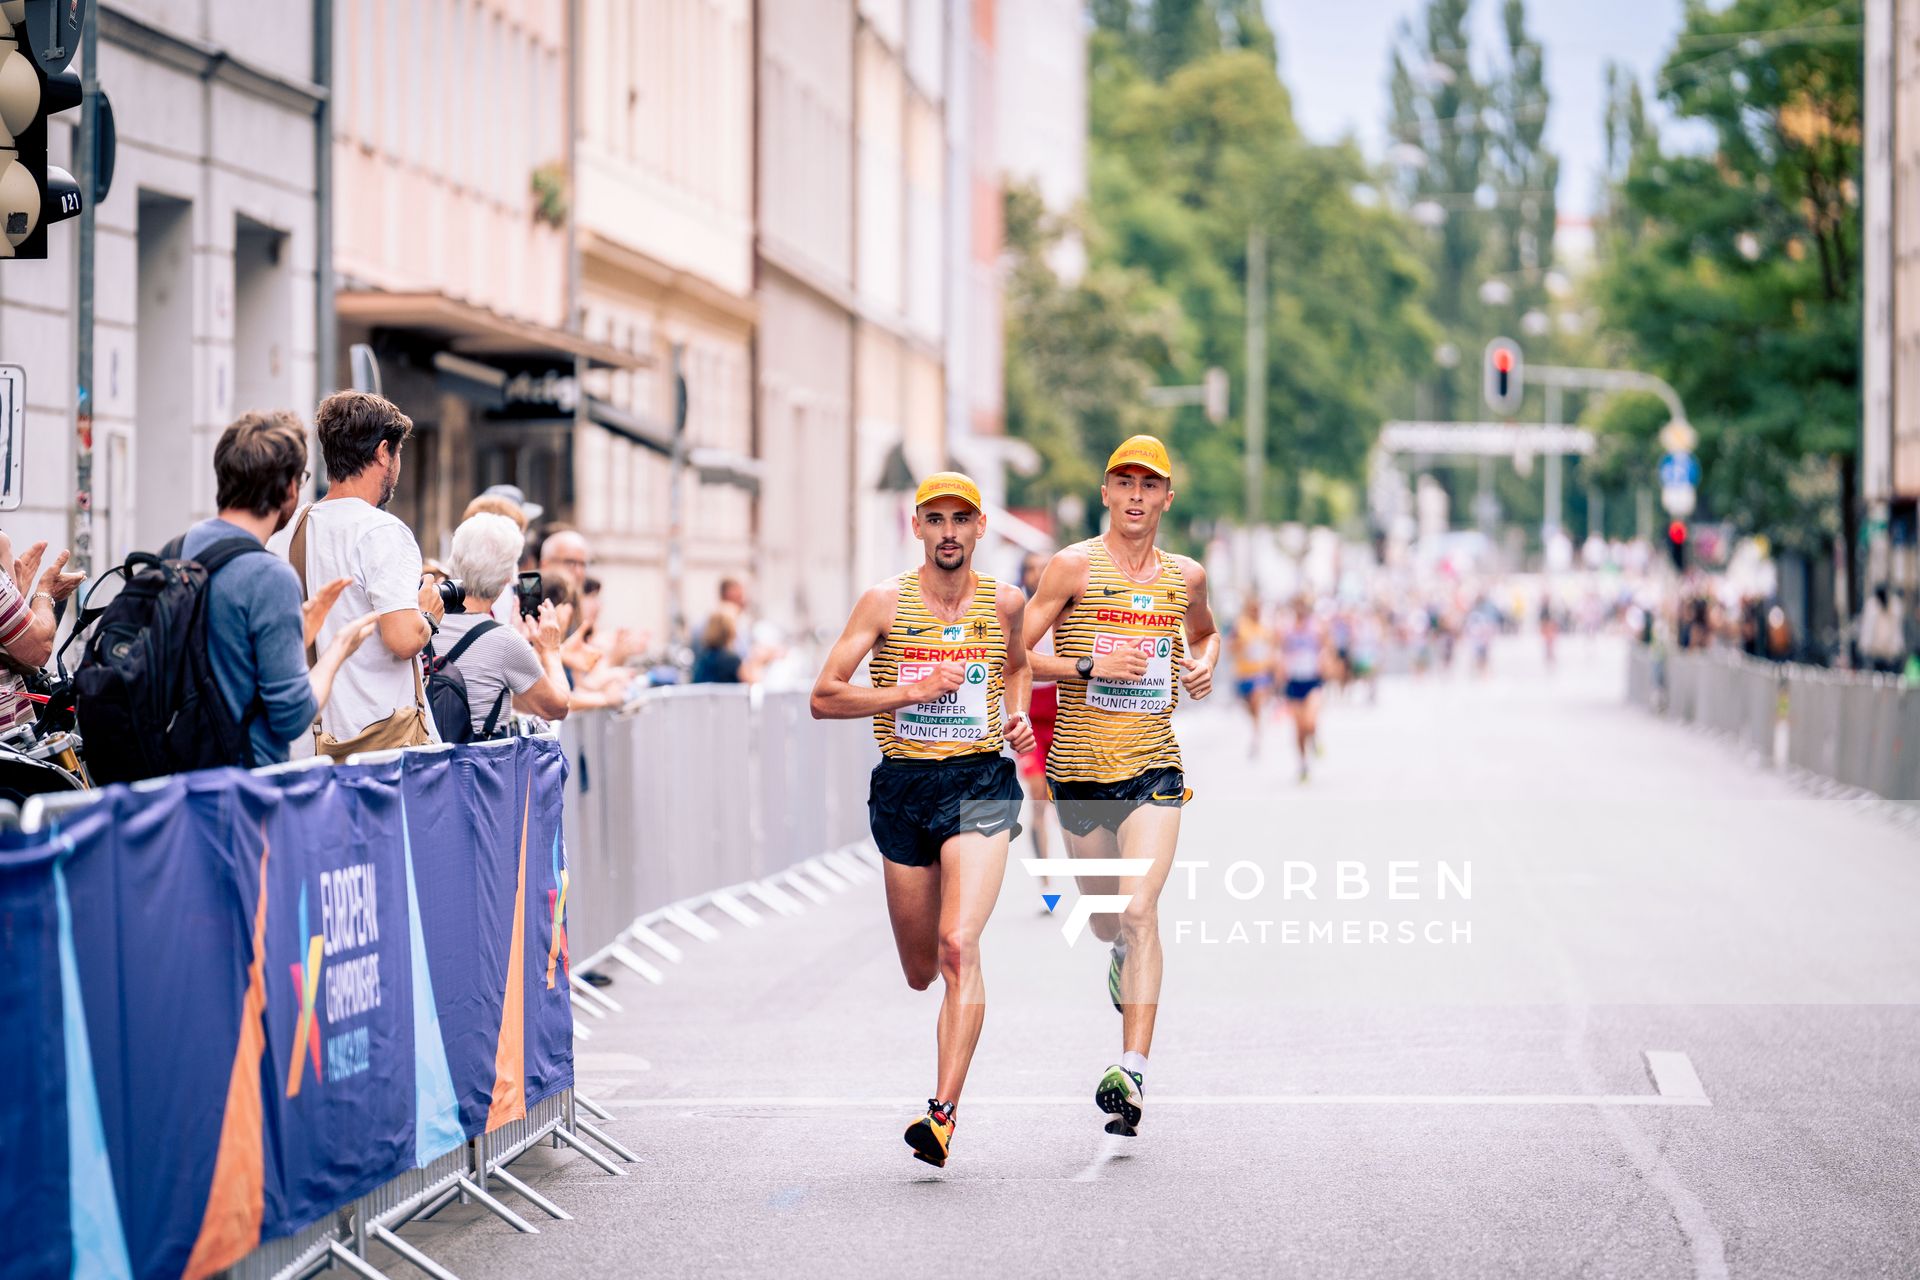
point(1677, 533)
point(1503, 359)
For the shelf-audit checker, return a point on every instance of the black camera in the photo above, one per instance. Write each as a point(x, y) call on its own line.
point(453, 595)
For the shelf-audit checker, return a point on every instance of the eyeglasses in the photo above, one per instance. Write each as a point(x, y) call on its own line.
point(573, 563)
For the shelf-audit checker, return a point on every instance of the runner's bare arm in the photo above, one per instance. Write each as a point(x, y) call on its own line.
point(1015, 674)
point(1061, 583)
point(836, 697)
point(1203, 636)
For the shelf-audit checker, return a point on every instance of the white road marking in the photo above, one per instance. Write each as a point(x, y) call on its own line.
point(1673, 1074)
point(1210, 1100)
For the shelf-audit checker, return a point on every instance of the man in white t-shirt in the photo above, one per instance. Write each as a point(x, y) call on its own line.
point(350, 534)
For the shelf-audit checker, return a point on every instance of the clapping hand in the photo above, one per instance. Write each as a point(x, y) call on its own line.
point(314, 611)
point(55, 583)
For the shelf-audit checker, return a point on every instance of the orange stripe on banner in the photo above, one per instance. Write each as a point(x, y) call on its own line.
point(236, 1199)
point(510, 1058)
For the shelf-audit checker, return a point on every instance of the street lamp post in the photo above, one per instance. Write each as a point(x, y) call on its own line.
point(1256, 384)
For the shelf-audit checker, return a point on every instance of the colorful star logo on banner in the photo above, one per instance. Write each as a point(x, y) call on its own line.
point(306, 986)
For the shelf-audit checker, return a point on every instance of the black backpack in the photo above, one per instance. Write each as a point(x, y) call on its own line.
point(146, 698)
point(447, 693)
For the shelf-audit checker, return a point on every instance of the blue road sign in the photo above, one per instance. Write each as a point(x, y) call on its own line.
point(1678, 470)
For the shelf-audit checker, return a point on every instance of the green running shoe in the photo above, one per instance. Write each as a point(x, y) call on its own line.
point(1121, 1095)
point(1113, 977)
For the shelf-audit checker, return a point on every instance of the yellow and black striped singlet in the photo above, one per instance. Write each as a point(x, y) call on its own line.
point(967, 719)
point(1107, 731)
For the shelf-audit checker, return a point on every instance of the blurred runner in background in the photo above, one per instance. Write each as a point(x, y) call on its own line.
point(1303, 652)
point(1252, 643)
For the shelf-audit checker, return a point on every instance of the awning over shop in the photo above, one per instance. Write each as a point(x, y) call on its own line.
point(468, 330)
point(713, 466)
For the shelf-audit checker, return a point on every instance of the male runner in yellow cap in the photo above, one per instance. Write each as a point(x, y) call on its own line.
point(1125, 616)
point(944, 803)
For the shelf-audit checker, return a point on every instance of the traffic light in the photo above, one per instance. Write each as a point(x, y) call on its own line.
point(1503, 379)
point(1677, 544)
point(37, 41)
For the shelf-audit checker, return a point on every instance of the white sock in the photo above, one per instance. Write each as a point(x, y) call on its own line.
point(1134, 1062)
point(1120, 945)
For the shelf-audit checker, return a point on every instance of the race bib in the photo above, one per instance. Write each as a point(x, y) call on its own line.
point(1150, 693)
point(958, 715)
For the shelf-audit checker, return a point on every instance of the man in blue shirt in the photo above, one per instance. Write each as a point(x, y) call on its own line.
point(259, 632)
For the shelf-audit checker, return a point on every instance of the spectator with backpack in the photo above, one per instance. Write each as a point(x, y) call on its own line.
point(258, 629)
point(379, 694)
point(200, 660)
point(483, 670)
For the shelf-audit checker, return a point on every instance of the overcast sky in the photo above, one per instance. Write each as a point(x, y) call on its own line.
point(1334, 59)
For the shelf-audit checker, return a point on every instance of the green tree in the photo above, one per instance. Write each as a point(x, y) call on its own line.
point(1161, 36)
point(1182, 170)
point(1735, 274)
point(1437, 120)
point(1525, 172)
point(1193, 143)
point(1080, 356)
point(1471, 155)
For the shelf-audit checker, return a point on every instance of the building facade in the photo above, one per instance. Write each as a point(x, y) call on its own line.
point(1040, 91)
point(664, 218)
point(451, 146)
point(1890, 365)
point(804, 251)
point(583, 239)
point(900, 424)
point(204, 289)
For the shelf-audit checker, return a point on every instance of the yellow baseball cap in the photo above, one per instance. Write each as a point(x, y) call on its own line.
point(1142, 451)
point(948, 484)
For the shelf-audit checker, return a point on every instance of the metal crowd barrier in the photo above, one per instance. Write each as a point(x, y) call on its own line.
point(1642, 690)
point(1859, 729)
point(465, 1174)
point(697, 795)
point(690, 797)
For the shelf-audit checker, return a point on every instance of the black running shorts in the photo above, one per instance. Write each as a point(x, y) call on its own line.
point(1087, 806)
point(915, 806)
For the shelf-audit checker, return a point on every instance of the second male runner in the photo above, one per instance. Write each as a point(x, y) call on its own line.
point(1125, 616)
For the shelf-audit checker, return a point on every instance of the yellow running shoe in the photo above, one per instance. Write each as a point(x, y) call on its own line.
point(930, 1135)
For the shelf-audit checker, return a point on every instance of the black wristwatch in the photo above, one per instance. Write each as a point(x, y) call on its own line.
point(1085, 667)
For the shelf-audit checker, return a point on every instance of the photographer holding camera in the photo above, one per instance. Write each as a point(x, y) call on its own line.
point(379, 697)
point(497, 660)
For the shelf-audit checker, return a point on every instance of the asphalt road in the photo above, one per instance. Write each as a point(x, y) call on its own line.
point(1482, 1104)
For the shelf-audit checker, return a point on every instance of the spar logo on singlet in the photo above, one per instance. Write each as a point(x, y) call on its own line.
point(958, 715)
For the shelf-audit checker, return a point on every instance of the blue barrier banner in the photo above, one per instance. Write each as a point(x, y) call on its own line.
point(33, 1103)
point(238, 1002)
point(340, 1043)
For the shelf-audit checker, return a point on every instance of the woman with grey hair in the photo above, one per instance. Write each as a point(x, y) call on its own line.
point(518, 660)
